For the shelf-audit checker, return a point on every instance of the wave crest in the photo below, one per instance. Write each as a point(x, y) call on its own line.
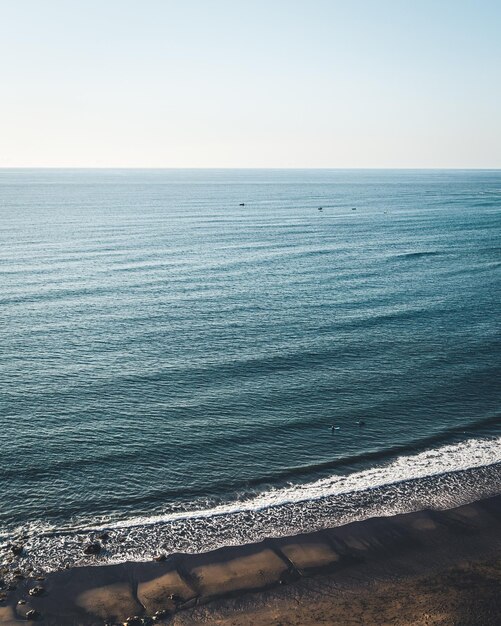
point(438, 478)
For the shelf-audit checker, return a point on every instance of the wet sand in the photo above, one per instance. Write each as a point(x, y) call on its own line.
point(425, 568)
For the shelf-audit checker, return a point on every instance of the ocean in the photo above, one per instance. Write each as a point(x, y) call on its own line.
point(194, 358)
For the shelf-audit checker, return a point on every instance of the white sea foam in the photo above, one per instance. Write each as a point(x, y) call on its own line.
point(439, 478)
point(450, 458)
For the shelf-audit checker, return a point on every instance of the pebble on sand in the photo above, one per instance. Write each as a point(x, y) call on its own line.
point(36, 591)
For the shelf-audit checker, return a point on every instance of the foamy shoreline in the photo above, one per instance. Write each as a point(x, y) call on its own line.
point(397, 549)
point(408, 484)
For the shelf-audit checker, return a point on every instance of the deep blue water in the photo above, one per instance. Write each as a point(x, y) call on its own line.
point(163, 348)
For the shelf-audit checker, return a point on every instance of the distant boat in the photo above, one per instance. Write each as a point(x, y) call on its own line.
point(354, 208)
point(242, 204)
point(320, 208)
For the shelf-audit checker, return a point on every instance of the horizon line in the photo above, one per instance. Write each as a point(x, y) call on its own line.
point(118, 167)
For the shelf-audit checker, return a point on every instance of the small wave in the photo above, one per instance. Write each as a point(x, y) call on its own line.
point(419, 255)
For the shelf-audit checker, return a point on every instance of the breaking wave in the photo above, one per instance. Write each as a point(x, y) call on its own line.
point(438, 478)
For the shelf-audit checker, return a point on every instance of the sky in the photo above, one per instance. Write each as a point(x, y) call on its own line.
point(250, 83)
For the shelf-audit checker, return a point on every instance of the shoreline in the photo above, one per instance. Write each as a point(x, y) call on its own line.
point(300, 509)
point(273, 581)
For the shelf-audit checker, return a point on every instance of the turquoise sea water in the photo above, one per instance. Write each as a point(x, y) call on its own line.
point(166, 350)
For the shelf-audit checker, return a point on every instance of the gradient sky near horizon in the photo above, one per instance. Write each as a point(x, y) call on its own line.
point(276, 83)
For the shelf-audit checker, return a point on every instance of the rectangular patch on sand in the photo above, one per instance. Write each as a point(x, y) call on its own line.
point(155, 594)
point(251, 570)
point(109, 601)
point(307, 553)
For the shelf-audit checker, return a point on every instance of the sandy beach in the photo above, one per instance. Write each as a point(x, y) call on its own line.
point(428, 567)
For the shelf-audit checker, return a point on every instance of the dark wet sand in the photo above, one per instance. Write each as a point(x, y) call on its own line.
point(426, 568)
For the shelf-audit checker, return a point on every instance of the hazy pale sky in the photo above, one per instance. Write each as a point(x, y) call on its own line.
point(250, 83)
